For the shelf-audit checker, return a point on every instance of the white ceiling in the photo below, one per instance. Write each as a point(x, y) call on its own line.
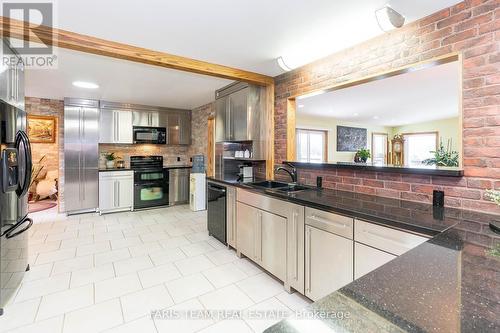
point(415, 97)
point(243, 34)
point(121, 81)
point(247, 34)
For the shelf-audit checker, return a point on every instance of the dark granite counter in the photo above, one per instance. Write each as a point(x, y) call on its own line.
point(400, 214)
point(450, 283)
point(114, 169)
point(430, 170)
point(177, 167)
point(447, 284)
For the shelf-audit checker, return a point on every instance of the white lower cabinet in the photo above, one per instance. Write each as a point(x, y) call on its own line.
point(329, 262)
point(367, 259)
point(116, 191)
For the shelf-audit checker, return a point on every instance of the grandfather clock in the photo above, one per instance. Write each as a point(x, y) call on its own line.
point(398, 150)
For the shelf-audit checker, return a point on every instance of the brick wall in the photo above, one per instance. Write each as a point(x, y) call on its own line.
point(54, 153)
point(199, 128)
point(471, 28)
point(169, 153)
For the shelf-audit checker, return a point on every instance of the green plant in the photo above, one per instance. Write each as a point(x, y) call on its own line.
point(493, 196)
point(443, 156)
point(364, 153)
point(110, 156)
point(494, 251)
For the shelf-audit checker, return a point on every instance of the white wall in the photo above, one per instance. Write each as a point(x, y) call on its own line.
point(447, 128)
point(330, 125)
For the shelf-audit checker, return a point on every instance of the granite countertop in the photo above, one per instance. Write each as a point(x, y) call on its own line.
point(450, 283)
point(178, 166)
point(114, 169)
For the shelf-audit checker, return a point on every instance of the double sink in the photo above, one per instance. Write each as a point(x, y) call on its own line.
point(287, 188)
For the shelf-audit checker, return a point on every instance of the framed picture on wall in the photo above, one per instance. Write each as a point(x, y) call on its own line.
point(351, 138)
point(42, 129)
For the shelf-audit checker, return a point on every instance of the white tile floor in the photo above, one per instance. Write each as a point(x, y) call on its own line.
point(94, 273)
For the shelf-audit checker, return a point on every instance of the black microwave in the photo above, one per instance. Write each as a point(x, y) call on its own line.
point(150, 135)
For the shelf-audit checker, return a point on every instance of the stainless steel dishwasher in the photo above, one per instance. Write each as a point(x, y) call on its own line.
point(178, 189)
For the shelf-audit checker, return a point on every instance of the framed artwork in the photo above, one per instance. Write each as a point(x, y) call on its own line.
point(42, 129)
point(351, 138)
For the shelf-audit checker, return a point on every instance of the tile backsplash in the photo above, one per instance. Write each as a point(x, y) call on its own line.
point(169, 153)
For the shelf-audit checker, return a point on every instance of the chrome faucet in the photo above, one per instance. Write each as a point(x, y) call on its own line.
point(292, 173)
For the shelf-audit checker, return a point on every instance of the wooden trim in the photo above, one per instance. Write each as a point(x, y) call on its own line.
point(447, 58)
point(84, 43)
point(291, 143)
point(325, 147)
point(270, 131)
point(211, 147)
point(460, 143)
point(291, 101)
point(426, 132)
point(386, 148)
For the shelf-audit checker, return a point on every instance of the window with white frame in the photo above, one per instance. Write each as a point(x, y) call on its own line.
point(418, 147)
point(311, 145)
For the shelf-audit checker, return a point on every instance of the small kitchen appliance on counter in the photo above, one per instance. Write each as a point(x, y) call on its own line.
point(246, 172)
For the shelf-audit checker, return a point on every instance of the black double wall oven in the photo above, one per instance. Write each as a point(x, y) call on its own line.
point(151, 181)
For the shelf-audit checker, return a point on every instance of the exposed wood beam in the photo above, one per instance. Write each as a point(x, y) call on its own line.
point(269, 110)
point(78, 42)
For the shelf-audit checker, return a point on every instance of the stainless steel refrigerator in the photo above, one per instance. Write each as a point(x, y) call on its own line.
point(15, 171)
point(81, 155)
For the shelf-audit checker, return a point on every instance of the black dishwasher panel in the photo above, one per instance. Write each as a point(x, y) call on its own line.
point(216, 204)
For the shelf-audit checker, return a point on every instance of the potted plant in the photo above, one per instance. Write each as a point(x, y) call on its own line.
point(494, 196)
point(443, 157)
point(110, 160)
point(362, 155)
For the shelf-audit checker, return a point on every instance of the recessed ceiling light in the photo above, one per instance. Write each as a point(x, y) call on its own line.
point(356, 114)
point(86, 85)
point(375, 117)
point(301, 106)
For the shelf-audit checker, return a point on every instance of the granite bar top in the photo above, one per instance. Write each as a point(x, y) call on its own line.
point(430, 170)
point(450, 283)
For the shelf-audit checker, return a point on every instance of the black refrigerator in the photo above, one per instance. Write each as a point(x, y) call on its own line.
point(15, 172)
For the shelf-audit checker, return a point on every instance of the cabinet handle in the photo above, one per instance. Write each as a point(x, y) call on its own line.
point(309, 260)
point(84, 156)
point(296, 244)
point(384, 238)
point(116, 194)
point(322, 220)
point(260, 235)
point(118, 134)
